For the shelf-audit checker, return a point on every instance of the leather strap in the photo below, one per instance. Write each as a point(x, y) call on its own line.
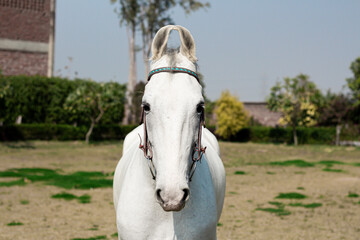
point(173, 70)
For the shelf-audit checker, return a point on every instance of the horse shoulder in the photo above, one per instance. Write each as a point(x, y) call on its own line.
point(133, 137)
point(130, 145)
point(211, 139)
point(216, 168)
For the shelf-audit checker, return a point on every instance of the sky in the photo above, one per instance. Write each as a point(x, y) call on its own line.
point(242, 46)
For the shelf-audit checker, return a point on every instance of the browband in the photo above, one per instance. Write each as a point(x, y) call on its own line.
point(173, 70)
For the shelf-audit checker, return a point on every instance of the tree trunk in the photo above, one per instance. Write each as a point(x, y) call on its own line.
point(146, 49)
point(295, 136)
point(338, 131)
point(88, 134)
point(146, 64)
point(18, 120)
point(93, 122)
point(128, 114)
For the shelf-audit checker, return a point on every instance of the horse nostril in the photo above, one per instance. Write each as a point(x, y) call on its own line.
point(158, 196)
point(186, 194)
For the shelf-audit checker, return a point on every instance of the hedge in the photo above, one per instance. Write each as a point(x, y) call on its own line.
point(259, 134)
point(319, 135)
point(62, 132)
point(41, 99)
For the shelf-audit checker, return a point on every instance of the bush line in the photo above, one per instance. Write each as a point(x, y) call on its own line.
point(62, 132)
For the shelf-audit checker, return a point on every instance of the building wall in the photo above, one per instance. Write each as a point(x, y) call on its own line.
point(27, 63)
point(261, 114)
point(24, 22)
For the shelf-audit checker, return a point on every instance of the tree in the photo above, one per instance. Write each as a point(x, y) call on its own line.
point(149, 16)
point(156, 14)
point(297, 99)
point(137, 100)
point(335, 111)
point(129, 13)
point(209, 105)
point(354, 82)
point(3, 90)
point(231, 115)
point(93, 99)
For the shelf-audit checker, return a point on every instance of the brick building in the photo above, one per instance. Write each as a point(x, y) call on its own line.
point(27, 37)
point(261, 114)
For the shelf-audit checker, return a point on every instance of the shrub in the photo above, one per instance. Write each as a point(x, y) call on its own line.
point(260, 134)
point(231, 115)
point(61, 132)
point(40, 99)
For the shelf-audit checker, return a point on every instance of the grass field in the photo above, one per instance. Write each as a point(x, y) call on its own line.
point(62, 190)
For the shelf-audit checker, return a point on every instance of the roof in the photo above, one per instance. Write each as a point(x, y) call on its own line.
point(260, 113)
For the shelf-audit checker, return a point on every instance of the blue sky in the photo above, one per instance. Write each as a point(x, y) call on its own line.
point(242, 46)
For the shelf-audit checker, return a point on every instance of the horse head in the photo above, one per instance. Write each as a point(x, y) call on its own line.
point(173, 108)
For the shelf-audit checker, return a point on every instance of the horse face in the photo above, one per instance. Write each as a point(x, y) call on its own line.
point(173, 105)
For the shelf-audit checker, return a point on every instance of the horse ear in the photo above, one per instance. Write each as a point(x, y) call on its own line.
point(187, 47)
point(187, 43)
point(159, 43)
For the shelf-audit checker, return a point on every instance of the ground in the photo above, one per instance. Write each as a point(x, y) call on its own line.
point(62, 190)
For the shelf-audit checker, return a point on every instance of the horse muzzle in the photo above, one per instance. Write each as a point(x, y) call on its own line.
point(172, 201)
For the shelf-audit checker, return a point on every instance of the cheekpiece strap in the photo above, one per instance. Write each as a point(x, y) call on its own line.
point(173, 70)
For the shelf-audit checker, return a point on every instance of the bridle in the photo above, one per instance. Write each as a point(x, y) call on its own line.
point(197, 151)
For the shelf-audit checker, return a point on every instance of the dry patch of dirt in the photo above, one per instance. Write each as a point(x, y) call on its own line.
point(251, 210)
point(338, 217)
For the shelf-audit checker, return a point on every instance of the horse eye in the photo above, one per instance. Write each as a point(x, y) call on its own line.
point(146, 107)
point(200, 108)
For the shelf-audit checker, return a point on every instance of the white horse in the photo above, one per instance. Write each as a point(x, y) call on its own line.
point(172, 200)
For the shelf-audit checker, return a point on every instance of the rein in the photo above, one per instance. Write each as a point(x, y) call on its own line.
point(197, 152)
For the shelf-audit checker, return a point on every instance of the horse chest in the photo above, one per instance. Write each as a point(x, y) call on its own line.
point(139, 216)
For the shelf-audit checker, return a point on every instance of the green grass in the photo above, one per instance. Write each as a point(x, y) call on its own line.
point(219, 224)
point(277, 204)
point(239, 173)
point(333, 170)
point(310, 205)
point(353, 195)
point(291, 195)
point(68, 196)
point(330, 163)
point(91, 238)
point(94, 228)
point(280, 207)
point(115, 235)
point(300, 188)
point(303, 163)
point(13, 223)
point(296, 162)
point(19, 182)
point(24, 202)
point(78, 180)
point(84, 198)
point(277, 211)
point(65, 196)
